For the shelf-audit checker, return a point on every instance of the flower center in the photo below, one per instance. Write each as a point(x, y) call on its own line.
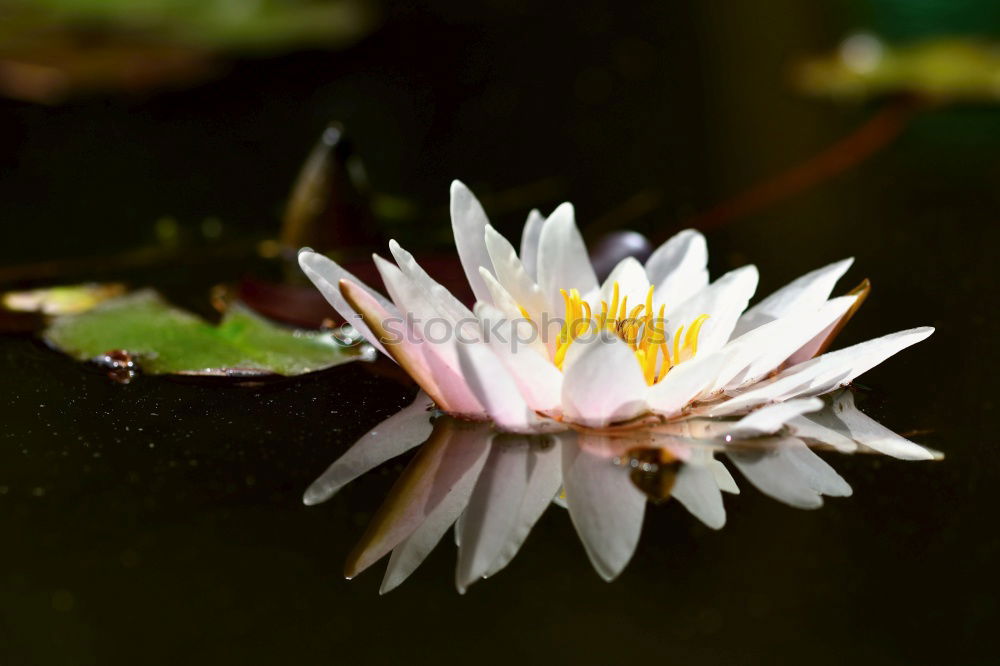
point(641, 328)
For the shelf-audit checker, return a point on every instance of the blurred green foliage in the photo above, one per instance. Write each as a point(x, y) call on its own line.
point(222, 24)
point(942, 69)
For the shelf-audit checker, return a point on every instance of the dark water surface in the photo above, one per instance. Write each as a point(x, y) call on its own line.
point(161, 521)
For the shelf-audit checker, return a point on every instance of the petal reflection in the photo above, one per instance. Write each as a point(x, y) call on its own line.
point(434, 474)
point(787, 470)
point(493, 486)
point(605, 507)
point(393, 437)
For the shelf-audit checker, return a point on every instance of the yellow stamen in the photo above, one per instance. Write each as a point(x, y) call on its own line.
point(691, 339)
point(638, 327)
point(677, 345)
point(648, 361)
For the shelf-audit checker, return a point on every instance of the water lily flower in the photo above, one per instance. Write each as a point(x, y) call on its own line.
point(548, 347)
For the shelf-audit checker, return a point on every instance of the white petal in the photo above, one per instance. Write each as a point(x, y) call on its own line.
point(762, 350)
point(495, 389)
point(823, 373)
point(807, 292)
point(605, 507)
point(602, 381)
point(563, 262)
point(544, 343)
point(846, 419)
point(632, 282)
point(722, 301)
point(415, 548)
point(678, 268)
point(510, 274)
point(326, 274)
point(698, 491)
point(468, 223)
point(686, 382)
point(529, 242)
point(539, 381)
point(396, 435)
point(770, 419)
point(446, 304)
point(492, 512)
point(544, 482)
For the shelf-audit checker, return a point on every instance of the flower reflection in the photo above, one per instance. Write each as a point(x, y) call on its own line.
point(493, 486)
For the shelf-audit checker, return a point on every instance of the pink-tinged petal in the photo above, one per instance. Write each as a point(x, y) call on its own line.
point(805, 293)
point(696, 489)
point(468, 223)
point(496, 390)
point(407, 354)
point(439, 466)
point(443, 300)
point(678, 268)
point(544, 482)
point(823, 373)
point(453, 386)
point(605, 507)
point(722, 301)
point(602, 381)
point(529, 242)
point(492, 512)
point(563, 262)
point(686, 382)
point(393, 437)
point(788, 471)
point(326, 274)
point(539, 381)
point(429, 327)
point(415, 548)
point(769, 420)
point(846, 419)
point(513, 277)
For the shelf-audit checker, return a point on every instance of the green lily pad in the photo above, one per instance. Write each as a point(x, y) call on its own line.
point(167, 340)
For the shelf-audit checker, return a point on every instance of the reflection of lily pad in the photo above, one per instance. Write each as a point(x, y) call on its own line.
point(165, 339)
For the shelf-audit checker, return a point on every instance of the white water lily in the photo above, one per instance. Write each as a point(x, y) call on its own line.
point(655, 342)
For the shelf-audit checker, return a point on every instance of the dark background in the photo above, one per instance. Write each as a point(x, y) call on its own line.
point(161, 521)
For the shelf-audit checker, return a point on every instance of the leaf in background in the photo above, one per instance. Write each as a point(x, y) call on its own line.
point(71, 299)
point(945, 69)
point(167, 340)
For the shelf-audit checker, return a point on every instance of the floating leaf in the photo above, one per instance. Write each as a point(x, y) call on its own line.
point(167, 340)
